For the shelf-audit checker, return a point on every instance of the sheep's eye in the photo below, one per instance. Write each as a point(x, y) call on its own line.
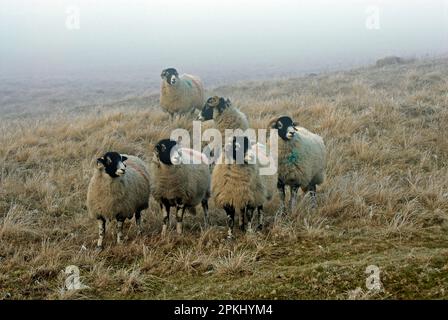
point(163, 148)
point(279, 125)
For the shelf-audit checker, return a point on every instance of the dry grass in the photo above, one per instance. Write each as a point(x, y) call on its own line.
point(385, 201)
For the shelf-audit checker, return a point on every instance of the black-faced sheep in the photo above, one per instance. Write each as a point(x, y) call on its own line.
point(237, 185)
point(177, 184)
point(180, 95)
point(118, 189)
point(224, 114)
point(301, 159)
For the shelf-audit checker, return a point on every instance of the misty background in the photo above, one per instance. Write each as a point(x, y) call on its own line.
point(90, 51)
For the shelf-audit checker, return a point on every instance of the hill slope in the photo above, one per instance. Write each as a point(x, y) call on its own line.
point(385, 201)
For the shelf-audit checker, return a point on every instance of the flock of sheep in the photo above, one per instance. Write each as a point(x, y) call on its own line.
point(121, 184)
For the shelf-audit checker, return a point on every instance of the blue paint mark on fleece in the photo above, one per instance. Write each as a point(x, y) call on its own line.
point(293, 157)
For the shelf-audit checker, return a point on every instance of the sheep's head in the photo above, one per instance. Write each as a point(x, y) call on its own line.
point(113, 163)
point(168, 152)
point(218, 104)
point(170, 75)
point(239, 149)
point(285, 126)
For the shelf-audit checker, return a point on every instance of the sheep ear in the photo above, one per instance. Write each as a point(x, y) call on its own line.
point(124, 158)
point(100, 162)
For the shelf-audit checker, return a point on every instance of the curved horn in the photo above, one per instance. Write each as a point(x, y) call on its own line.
point(272, 122)
point(213, 101)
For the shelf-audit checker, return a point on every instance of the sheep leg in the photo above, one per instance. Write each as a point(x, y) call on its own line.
point(179, 219)
point(138, 221)
point(312, 191)
point(101, 232)
point(282, 193)
point(204, 204)
point(241, 218)
point(120, 230)
point(260, 218)
point(230, 220)
point(249, 215)
point(166, 216)
point(293, 199)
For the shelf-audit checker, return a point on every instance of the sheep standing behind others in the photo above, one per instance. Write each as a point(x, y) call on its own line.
point(224, 115)
point(180, 95)
point(118, 189)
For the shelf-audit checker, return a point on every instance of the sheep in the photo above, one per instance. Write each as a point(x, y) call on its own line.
point(180, 95)
point(118, 189)
point(238, 186)
point(389, 60)
point(301, 159)
point(177, 184)
point(224, 114)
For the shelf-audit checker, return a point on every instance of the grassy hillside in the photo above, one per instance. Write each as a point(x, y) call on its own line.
point(384, 203)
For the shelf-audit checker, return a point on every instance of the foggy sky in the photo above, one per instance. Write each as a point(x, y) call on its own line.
point(129, 36)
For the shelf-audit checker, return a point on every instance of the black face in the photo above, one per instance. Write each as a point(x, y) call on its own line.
point(113, 163)
point(285, 127)
point(214, 102)
point(163, 150)
point(238, 149)
point(170, 75)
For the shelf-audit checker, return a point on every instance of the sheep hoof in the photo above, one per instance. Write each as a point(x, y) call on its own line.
point(99, 248)
point(259, 227)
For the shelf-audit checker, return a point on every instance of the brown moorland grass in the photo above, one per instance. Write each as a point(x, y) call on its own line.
point(384, 203)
